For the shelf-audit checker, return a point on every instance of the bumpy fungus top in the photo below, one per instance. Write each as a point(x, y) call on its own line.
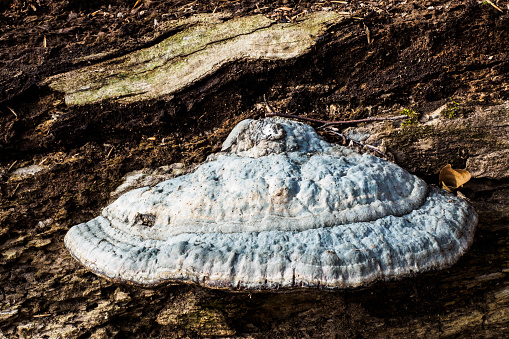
point(277, 207)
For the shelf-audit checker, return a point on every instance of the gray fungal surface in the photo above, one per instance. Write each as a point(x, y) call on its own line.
point(278, 207)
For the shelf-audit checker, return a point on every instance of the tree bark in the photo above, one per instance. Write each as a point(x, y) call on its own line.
point(68, 142)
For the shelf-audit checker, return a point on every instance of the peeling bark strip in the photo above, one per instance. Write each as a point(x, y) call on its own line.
point(189, 56)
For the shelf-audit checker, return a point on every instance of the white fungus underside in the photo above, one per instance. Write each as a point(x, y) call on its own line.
point(433, 236)
point(278, 207)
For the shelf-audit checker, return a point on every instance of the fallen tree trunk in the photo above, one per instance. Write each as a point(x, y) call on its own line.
point(68, 142)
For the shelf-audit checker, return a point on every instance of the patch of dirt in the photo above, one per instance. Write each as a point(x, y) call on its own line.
point(417, 54)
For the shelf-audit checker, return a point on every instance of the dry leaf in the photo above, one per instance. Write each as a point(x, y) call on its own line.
point(453, 178)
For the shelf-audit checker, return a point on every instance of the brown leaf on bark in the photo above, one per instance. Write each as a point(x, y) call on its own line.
point(451, 178)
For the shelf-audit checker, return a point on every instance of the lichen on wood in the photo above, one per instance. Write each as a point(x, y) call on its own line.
point(189, 56)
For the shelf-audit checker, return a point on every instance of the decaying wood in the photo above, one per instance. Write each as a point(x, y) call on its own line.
point(189, 56)
point(88, 147)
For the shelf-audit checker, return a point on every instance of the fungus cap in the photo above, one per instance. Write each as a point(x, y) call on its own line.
point(277, 207)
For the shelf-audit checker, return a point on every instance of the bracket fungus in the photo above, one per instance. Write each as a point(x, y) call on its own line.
point(278, 207)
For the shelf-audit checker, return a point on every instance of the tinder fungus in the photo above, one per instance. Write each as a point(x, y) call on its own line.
point(278, 207)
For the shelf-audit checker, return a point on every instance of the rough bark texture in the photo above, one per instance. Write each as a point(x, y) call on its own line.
point(60, 162)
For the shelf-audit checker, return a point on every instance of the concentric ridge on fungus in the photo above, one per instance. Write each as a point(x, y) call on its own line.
point(277, 207)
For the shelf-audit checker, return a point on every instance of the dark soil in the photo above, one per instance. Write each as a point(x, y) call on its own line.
point(422, 54)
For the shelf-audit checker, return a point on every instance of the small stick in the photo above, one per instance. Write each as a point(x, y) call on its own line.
point(136, 4)
point(14, 192)
point(291, 116)
point(326, 123)
point(268, 106)
point(10, 167)
point(494, 6)
point(283, 9)
point(191, 4)
point(368, 34)
point(345, 138)
point(111, 150)
point(273, 113)
point(12, 111)
point(332, 123)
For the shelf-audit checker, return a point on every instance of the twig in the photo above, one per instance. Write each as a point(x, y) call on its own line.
point(12, 111)
point(346, 122)
point(12, 165)
point(291, 116)
point(326, 123)
point(136, 3)
point(494, 6)
point(283, 9)
point(345, 138)
point(14, 192)
point(368, 34)
point(191, 4)
point(273, 113)
point(111, 150)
